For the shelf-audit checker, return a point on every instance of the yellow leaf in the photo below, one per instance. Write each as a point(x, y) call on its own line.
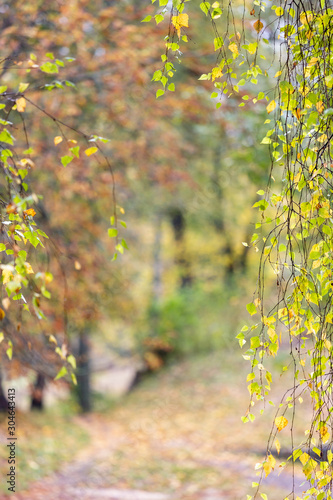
point(91, 151)
point(2, 314)
point(234, 48)
point(53, 339)
point(281, 423)
point(322, 138)
point(257, 302)
point(21, 104)
point(6, 275)
point(23, 87)
point(320, 106)
point(306, 17)
point(57, 140)
point(271, 460)
point(279, 11)
point(267, 468)
point(1, 337)
point(269, 464)
point(179, 22)
point(77, 265)
point(277, 446)
point(26, 162)
point(297, 113)
point(216, 73)
point(278, 74)
point(271, 106)
point(258, 26)
point(304, 458)
point(28, 268)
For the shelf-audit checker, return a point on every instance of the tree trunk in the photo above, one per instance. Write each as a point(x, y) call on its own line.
point(3, 399)
point(83, 373)
point(37, 393)
point(178, 225)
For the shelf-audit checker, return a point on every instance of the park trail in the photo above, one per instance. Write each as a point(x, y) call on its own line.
point(178, 436)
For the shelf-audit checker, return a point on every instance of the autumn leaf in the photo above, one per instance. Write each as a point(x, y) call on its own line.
point(2, 314)
point(271, 106)
point(91, 151)
point(233, 47)
point(258, 26)
point(281, 423)
point(11, 208)
point(180, 21)
point(277, 446)
point(7, 274)
point(216, 73)
point(28, 268)
point(320, 106)
point(29, 212)
point(21, 104)
point(252, 13)
point(304, 458)
point(57, 140)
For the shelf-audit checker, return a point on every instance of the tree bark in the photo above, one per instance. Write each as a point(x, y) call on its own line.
point(3, 399)
point(178, 225)
point(83, 373)
point(37, 402)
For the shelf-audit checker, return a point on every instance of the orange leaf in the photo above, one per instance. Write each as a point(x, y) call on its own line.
point(258, 26)
point(30, 212)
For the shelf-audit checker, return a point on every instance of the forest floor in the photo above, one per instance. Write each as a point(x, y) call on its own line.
point(178, 435)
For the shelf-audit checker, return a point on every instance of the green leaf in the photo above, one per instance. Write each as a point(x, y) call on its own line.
point(65, 160)
point(61, 373)
point(113, 232)
point(218, 43)
point(204, 6)
point(255, 342)
point(159, 93)
point(9, 351)
point(72, 361)
point(251, 308)
point(75, 151)
point(146, 19)
point(49, 67)
point(159, 18)
point(6, 137)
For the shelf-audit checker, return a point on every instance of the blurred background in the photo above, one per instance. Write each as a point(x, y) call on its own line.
point(152, 317)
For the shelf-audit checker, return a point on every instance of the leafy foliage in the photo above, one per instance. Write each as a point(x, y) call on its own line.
point(294, 231)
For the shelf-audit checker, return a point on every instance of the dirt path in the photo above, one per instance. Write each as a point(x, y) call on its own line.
point(174, 438)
